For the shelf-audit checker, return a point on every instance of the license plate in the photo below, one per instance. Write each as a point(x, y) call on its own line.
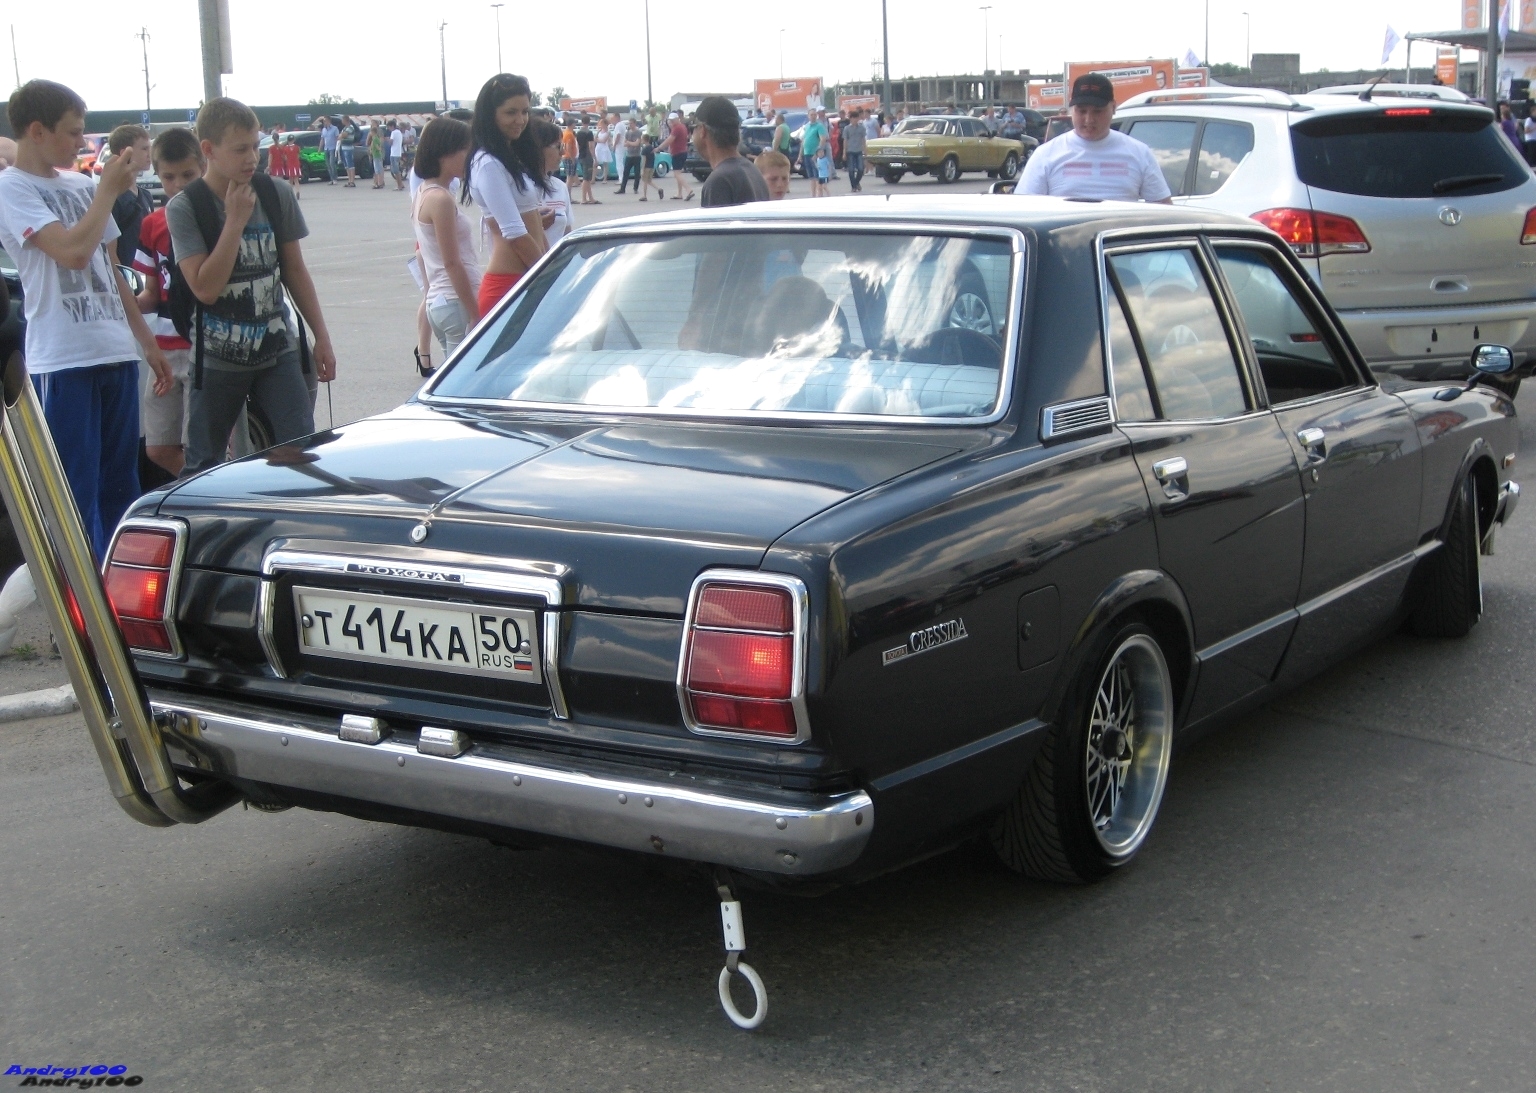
point(501, 642)
point(895, 163)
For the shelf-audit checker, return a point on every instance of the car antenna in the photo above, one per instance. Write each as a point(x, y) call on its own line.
point(1365, 96)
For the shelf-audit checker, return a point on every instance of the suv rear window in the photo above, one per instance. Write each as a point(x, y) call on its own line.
point(1440, 153)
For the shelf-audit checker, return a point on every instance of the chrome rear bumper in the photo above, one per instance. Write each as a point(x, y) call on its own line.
point(648, 816)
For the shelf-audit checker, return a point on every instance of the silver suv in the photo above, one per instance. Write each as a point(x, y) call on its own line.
point(1415, 215)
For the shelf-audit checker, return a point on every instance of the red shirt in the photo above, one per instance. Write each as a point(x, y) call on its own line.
point(153, 260)
point(679, 145)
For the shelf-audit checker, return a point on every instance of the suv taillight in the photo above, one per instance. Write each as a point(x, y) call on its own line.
point(1313, 234)
point(1528, 233)
point(138, 577)
point(740, 672)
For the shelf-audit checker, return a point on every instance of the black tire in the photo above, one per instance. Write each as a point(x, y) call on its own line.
point(892, 177)
point(1449, 598)
point(701, 176)
point(1010, 167)
point(949, 170)
point(1048, 831)
point(259, 428)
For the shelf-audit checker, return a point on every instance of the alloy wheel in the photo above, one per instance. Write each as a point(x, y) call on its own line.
point(1130, 740)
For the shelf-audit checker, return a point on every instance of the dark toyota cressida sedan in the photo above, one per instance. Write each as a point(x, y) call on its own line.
point(802, 540)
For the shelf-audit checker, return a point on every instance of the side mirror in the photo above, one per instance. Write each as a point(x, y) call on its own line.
point(1003, 186)
point(135, 281)
point(1493, 360)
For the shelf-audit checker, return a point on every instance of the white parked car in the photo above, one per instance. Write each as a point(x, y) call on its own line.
point(1407, 205)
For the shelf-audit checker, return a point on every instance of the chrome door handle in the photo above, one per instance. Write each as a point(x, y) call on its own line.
point(1314, 441)
point(1169, 469)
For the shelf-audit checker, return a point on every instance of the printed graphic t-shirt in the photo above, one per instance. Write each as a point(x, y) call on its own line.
point(1117, 168)
point(250, 328)
point(75, 317)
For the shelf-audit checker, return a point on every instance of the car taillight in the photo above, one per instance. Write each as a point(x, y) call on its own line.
point(1528, 233)
point(1313, 234)
point(740, 660)
point(138, 581)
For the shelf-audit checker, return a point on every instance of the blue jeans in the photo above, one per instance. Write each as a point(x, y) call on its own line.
point(93, 414)
point(855, 168)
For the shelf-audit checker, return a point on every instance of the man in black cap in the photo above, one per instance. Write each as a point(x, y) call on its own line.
point(1094, 160)
point(716, 135)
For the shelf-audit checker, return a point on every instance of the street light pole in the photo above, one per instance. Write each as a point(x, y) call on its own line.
point(1206, 60)
point(1490, 71)
point(986, 46)
point(442, 55)
point(143, 37)
point(885, 41)
point(649, 97)
point(1248, 42)
point(499, 66)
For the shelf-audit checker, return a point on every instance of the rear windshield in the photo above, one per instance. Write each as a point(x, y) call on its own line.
point(1435, 154)
point(891, 325)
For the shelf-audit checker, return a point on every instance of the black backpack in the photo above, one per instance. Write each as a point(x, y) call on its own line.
point(184, 308)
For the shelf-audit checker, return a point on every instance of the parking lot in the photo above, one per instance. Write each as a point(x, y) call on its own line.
point(1339, 895)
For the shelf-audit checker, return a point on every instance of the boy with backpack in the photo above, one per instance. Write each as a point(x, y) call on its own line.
point(178, 163)
point(85, 336)
point(235, 234)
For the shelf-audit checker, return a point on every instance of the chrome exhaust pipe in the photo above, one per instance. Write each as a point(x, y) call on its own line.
point(116, 711)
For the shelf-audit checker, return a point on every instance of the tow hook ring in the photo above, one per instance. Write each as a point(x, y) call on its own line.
point(748, 973)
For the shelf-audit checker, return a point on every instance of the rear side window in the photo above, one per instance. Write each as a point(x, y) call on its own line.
point(1194, 371)
point(1170, 142)
point(1408, 152)
point(1223, 145)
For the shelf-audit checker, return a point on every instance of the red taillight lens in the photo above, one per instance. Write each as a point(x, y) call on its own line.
point(739, 674)
point(733, 607)
point(1528, 233)
point(138, 581)
point(137, 593)
point(1408, 112)
point(147, 548)
point(744, 665)
point(1312, 234)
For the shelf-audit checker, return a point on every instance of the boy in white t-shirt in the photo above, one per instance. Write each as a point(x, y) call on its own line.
point(85, 335)
point(1093, 160)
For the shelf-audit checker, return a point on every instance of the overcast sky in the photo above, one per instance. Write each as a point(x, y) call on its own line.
point(287, 51)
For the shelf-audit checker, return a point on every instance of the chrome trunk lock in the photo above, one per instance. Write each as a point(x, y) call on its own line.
point(735, 937)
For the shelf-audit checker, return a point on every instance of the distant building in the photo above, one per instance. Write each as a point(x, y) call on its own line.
point(915, 94)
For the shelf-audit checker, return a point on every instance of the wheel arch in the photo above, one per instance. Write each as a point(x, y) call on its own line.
point(1152, 597)
point(1478, 464)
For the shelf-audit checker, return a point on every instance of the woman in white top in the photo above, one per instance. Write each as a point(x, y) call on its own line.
point(558, 203)
point(505, 176)
point(602, 151)
point(444, 236)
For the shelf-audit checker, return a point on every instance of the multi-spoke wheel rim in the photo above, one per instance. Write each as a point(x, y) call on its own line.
point(1010, 166)
point(1129, 742)
point(970, 312)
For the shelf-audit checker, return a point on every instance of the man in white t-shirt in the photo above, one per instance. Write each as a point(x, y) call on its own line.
point(1094, 160)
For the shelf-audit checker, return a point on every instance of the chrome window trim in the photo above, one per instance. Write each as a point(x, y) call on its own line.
point(1015, 238)
point(177, 528)
point(543, 580)
point(802, 612)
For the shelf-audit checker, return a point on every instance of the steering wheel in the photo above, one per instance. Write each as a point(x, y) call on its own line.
point(955, 345)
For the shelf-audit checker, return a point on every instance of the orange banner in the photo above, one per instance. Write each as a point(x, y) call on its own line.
point(1047, 96)
point(1448, 65)
point(1472, 14)
point(1194, 77)
point(795, 94)
point(845, 103)
point(598, 105)
point(1128, 77)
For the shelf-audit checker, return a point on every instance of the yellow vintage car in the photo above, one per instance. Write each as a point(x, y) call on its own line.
point(946, 146)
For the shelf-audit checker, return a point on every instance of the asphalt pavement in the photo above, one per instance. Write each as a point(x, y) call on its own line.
point(1340, 895)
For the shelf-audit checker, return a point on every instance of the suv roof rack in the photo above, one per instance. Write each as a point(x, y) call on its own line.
point(1233, 96)
point(1394, 91)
